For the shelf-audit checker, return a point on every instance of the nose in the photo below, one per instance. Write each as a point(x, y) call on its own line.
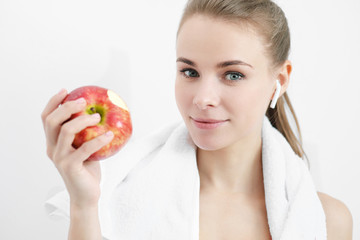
point(206, 95)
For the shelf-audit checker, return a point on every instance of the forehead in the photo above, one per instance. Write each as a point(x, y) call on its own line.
point(205, 39)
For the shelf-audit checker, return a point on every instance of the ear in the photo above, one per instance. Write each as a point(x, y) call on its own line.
point(284, 76)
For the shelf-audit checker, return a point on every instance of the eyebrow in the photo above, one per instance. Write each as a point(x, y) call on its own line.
point(219, 65)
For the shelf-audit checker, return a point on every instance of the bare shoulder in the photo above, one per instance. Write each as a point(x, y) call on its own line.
point(339, 221)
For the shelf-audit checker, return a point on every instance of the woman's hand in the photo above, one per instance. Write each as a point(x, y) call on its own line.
point(81, 177)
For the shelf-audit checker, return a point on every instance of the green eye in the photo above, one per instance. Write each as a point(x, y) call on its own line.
point(234, 76)
point(189, 73)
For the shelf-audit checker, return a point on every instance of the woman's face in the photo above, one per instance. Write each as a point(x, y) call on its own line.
point(223, 83)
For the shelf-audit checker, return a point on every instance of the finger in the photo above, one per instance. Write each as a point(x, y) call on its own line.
point(53, 103)
point(69, 129)
point(92, 146)
point(55, 119)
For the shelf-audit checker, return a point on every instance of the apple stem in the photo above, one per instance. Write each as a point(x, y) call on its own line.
point(93, 110)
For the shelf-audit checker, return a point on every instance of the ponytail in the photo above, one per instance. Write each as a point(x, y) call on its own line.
point(279, 120)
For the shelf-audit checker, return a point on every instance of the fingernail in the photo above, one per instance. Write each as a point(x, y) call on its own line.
point(80, 101)
point(95, 116)
point(109, 134)
point(62, 91)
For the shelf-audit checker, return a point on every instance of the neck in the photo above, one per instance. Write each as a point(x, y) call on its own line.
point(236, 169)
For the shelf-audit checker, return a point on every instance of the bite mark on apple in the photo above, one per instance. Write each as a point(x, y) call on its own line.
point(115, 99)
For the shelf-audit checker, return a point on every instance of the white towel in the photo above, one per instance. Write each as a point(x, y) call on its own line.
point(150, 190)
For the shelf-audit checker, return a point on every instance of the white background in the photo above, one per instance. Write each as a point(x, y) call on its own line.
point(129, 46)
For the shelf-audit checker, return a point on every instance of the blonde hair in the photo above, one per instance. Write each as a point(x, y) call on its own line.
point(270, 22)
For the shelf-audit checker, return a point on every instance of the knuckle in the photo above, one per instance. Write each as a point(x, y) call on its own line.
point(67, 106)
point(55, 157)
point(67, 129)
point(86, 148)
point(50, 121)
point(66, 166)
point(43, 116)
point(62, 166)
point(49, 153)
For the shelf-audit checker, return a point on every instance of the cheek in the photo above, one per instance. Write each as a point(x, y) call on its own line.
point(249, 102)
point(182, 96)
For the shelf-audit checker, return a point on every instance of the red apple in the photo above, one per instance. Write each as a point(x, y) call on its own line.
point(114, 114)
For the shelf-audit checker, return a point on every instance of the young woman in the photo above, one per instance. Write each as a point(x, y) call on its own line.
point(230, 55)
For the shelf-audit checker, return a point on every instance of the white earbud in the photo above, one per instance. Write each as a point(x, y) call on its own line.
point(276, 95)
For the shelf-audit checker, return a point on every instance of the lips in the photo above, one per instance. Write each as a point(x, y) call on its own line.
point(203, 123)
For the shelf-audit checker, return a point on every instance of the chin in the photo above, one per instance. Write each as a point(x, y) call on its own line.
point(207, 144)
point(207, 148)
point(206, 141)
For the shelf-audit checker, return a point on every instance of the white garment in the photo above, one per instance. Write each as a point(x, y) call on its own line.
point(151, 190)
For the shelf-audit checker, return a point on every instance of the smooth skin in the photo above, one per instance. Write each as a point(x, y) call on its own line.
point(232, 199)
point(81, 177)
